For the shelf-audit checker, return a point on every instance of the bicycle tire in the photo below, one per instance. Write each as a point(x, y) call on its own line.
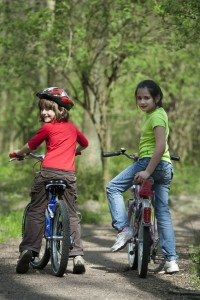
point(143, 249)
point(42, 260)
point(60, 243)
point(24, 218)
point(156, 254)
point(132, 245)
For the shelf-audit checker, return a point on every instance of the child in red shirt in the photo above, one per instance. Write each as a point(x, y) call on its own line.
point(61, 138)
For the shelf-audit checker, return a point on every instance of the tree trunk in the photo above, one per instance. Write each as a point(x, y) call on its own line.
point(93, 156)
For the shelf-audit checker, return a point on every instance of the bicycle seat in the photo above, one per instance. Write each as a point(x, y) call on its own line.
point(146, 188)
point(59, 183)
point(150, 179)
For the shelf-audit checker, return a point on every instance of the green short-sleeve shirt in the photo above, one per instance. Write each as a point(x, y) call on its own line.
point(147, 141)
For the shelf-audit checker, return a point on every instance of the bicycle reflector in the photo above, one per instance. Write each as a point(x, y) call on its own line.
point(147, 214)
point(145, 189)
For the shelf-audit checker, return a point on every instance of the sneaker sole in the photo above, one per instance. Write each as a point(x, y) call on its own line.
point(120, 248)
point(23, 263)
point(79, 269)
point(171, 272)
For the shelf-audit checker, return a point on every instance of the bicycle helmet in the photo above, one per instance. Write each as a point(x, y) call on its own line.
point(57, 95)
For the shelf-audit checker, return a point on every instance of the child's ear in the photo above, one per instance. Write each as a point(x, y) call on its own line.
point(157, 99)
point(62, 110)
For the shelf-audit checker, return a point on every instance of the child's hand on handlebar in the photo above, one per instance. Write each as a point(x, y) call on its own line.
point(14, 155)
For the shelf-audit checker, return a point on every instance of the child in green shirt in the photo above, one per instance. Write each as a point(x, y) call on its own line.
point(153, 160)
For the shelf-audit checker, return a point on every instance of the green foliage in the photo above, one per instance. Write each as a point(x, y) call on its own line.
point(181, 17)
point(16, 180)
point(186, 179)
point(90, 185)
point(98, 53)
point(178, 81)
point(11, 225)
point(100, 216)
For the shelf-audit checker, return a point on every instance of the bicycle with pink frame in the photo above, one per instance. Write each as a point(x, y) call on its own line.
point(144, 245)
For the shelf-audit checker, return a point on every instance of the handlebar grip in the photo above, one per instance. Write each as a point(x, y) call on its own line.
point(12, 155)
point(108, 154)
point(173, 157)
point(78, 153)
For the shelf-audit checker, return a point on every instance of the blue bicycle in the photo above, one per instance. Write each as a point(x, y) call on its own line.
point(57, 241)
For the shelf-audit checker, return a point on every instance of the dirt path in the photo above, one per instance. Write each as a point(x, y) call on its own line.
point(107, 276)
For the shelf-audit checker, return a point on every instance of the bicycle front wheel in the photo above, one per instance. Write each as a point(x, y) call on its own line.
point(40, 261)
point(60, 244)
point(143, 249)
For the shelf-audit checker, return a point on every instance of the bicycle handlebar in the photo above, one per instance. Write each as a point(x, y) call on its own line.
point(108, 154)
point(174, 157)
point(123, 150)
point(37, 156)
point(40, 157)
point(29, 155)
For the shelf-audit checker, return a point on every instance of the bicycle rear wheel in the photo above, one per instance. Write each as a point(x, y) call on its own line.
point(60, 244)
point(40, 261)
point(132, 245)
point(156, 252)
point(143, 249)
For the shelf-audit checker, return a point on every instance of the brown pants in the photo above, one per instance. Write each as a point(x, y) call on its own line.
point(34, 230)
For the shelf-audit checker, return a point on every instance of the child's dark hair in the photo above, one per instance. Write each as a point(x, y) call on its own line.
point(153, 89)
point(60, 112)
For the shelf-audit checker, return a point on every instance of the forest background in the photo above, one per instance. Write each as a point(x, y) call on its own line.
point(98, 51)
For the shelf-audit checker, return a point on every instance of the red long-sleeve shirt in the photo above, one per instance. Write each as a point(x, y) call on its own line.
point(61, 139)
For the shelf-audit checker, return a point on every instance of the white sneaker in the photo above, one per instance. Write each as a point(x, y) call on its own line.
point(79, 265)
point(171, 267)
point(122, 239)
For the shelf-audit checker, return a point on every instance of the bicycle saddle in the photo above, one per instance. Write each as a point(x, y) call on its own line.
point(146, 188)
point(59, 183)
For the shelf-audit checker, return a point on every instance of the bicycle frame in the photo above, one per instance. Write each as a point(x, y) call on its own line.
point(49, 215)
point(52, 189)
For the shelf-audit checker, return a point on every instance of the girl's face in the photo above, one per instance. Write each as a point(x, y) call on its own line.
point(48, 115)
point(145, 101)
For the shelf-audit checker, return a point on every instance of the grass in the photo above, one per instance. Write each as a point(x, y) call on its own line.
point(10, 225)
point(195, 258)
